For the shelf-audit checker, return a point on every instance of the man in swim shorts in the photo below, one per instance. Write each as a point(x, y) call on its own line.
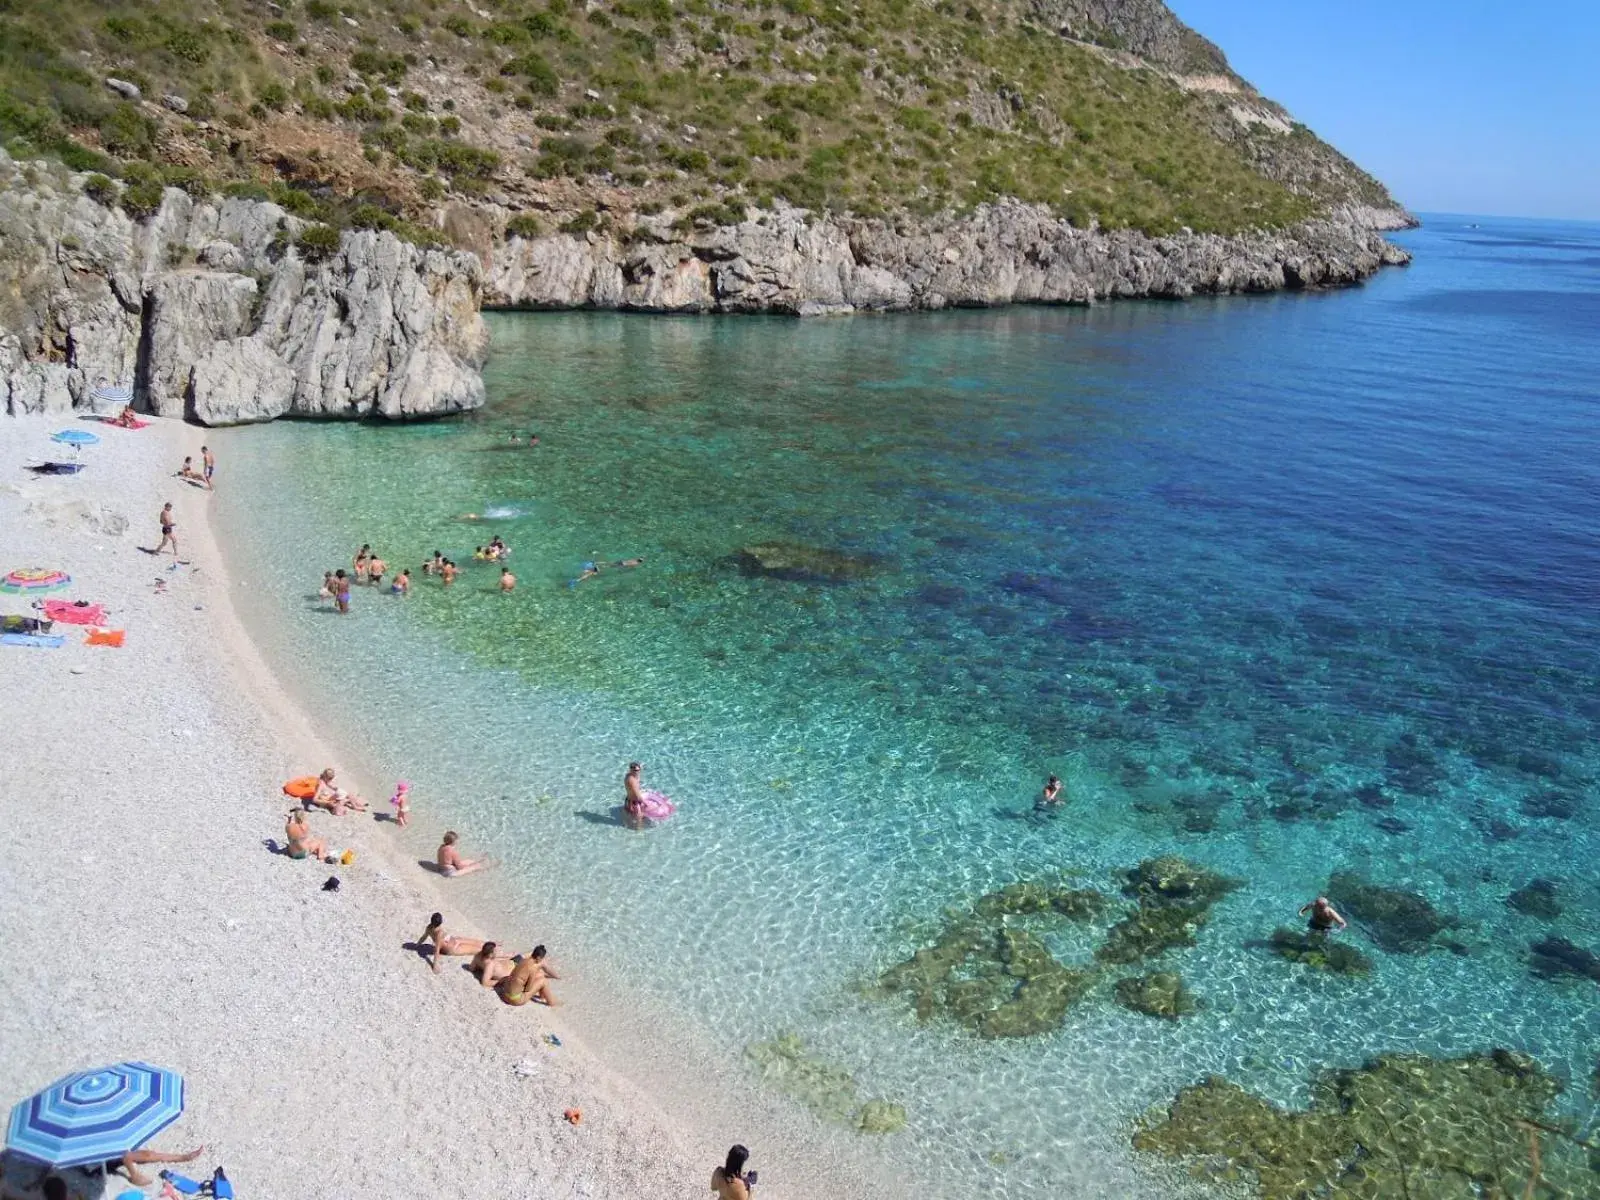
point(208, 462)
point(298, 834)
point(450, 861)
point(1324, 918)
point(169, 525)
point(529, 980)
point(376, 569)
point(507, 579)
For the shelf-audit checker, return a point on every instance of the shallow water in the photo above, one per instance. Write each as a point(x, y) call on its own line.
point(1251, 575)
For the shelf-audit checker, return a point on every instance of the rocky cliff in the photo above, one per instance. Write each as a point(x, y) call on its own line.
point(211, 312)
point(788, 262)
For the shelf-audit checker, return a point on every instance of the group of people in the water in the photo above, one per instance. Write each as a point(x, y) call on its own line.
point(369, 569)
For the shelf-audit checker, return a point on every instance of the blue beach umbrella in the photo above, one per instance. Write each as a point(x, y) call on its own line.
point(95, 1116)
point(113, 393)
point(75, 437)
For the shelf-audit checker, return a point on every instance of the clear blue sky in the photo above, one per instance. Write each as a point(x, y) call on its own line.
point(1465, 106)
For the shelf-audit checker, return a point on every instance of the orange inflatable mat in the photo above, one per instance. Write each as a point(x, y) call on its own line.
point(105, 637)
point(302, 788)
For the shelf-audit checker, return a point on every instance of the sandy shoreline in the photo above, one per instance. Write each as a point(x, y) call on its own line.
point(149, 921)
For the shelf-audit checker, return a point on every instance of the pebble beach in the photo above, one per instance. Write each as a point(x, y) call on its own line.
point(148, 918)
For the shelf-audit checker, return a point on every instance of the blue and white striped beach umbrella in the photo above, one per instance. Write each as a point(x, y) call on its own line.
point(113, 393)
point(75, 437)
point(96, 1116)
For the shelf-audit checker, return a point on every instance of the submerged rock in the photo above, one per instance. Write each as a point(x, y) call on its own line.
point(1399, 921)
point(801, 563)
point(1554, 805)
point(880, 1117)
point(1319, 951)
point(1537, 898)
point(826, 1089)
point(1174, 879)
point(1402, 1125)
point(1077, 904)
point(1175, 898)
point(1162, 994)
point(1555, 957)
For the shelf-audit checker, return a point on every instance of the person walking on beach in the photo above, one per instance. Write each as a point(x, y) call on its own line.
point(443, 943)
point(169, 526)
point(450, 861)
point(208, 466)
point(1324, 917)
point(730, 1181)
point(529, 980)
point(297, 831)
point(341, 590)
point(507, 579)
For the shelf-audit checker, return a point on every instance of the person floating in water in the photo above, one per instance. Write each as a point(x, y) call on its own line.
point(1324, 917)
point(1051, 798)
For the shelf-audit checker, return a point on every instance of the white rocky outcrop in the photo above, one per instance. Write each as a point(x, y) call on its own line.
point(211, 313)
point(788, 261)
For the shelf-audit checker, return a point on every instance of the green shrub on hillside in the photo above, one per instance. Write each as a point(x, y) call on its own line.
point(317, 243)
point(524, 225)
point(101, 190)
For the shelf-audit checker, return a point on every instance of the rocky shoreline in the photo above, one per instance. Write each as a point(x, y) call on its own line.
point(785, 262)
point(211, 311)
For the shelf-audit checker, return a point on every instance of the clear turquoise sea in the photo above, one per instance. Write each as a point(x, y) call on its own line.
point(1286, 585)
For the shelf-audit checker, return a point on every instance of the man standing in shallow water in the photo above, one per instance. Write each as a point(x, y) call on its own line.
point(1324, 917)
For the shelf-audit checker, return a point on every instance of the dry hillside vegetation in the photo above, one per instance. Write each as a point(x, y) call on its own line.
point(386, 112)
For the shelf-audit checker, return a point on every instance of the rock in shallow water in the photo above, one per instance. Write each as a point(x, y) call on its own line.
point(1537, 898)
point(1399, 921)
point(1162, 994)
point(801, 563)
point(1319, 951)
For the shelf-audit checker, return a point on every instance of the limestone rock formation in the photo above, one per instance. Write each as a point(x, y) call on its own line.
point(790, 261)
point(209, 311)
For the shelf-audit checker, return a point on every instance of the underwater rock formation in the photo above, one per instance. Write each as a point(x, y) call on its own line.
point(1537, 898)
point(1555, 805)
point(800, 563)
point(1319, 951)
point(1555, 957)
point(826, 1089)
point(1175, 898)
point(999, 979)
point(1403, 1125)
point(1399, 921)
point(1162, 994)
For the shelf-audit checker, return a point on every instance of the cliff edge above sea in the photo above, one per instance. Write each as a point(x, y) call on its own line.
point(247, 211)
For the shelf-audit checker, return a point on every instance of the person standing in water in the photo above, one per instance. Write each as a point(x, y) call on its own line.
point(1051, 798)
point(360, 564)
point(448, 572)
point(341, 590)
point(402, 584)
point(169, 527)
point(507, 579)
point(633, 794)
point(1324, 917)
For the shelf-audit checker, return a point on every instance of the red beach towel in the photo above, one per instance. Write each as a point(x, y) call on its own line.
point(75, 614)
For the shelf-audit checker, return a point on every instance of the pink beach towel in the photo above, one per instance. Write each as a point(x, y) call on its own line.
point(74, 614)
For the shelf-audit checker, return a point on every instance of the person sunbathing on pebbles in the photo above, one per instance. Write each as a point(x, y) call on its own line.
point(334, 798)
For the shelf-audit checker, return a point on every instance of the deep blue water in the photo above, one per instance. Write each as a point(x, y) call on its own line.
point(1286, 584)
